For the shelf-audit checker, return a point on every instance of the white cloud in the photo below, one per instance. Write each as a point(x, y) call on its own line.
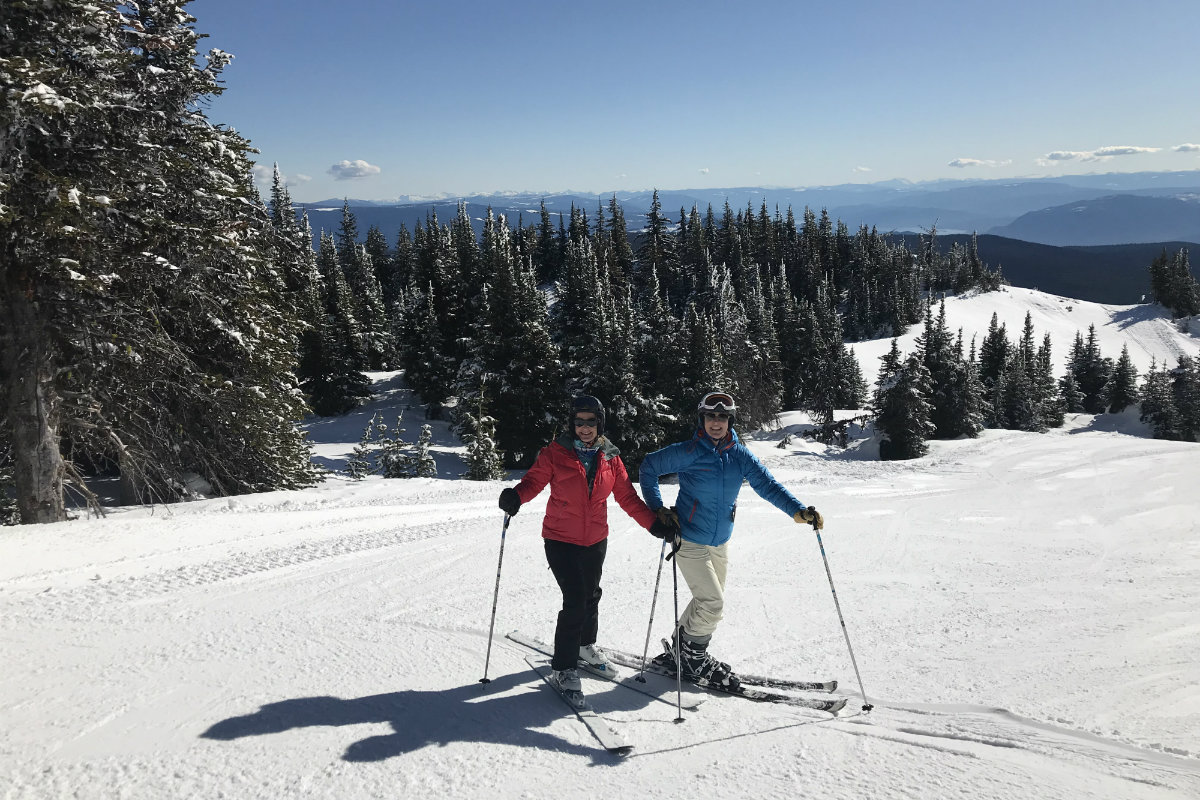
point(978, 162)
point(861, 169)
point(1187, 148)
point(705, 171)
point(1100, 154)
point(1123, 150)
point(264, 174)
point(1067, 155)
point(350, 170)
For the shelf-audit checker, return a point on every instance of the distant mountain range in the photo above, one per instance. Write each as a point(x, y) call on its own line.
point(1076, 213)
point(1114, 219)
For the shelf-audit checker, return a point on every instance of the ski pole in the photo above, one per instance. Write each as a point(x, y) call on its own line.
point(495, 599)
point(866, 706)
point(641, 677)
point(678, 639)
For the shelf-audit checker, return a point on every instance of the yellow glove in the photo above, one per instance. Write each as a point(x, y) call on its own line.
point(667, 516)
point(811, 516)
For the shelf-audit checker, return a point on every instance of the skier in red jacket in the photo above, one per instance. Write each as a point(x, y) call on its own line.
point(583, 468)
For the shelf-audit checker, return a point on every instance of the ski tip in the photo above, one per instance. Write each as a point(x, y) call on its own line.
point(836, 706)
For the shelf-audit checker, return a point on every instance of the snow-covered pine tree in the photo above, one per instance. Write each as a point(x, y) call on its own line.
point(1068, 390)
point(1121, 391)
point(1173, 285)
point(994, 355)
point(369, 311)
point(1185, 386)
point(338, 383)
point(124, 204)
point(902, 410)
point(362, 459)
point(484, 461)
point(1158, 407)
point(423, 464)
point(516, 351)
point(427, 369)
point(935, 347)
point(1091, 371)
point(60, 66)
point(621, 264)
point(396, 457)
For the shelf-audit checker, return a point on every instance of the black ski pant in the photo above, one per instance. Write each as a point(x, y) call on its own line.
point(577, 570)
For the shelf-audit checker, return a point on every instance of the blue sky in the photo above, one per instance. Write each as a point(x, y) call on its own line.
point(377, 100)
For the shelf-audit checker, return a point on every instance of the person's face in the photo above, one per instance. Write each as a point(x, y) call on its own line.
point(587, 427)
point(716, 424)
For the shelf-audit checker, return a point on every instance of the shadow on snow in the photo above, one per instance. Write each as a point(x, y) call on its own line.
point(471, 713)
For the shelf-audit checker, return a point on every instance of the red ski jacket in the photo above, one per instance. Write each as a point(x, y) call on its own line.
point(574, 514)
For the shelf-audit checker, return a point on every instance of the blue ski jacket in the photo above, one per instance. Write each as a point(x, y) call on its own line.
point(710, 477)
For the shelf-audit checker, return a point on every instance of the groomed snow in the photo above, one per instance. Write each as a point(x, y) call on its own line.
point(1023, 609)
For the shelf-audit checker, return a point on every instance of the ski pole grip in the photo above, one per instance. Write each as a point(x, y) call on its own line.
point(813, 521)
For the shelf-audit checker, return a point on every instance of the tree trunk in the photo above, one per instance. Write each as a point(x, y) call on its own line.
point(33, 413)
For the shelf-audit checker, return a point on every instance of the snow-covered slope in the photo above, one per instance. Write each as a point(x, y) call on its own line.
point(1147, 329)
point(1022, 607)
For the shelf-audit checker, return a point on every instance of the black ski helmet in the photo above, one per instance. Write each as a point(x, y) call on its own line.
point(587, 403)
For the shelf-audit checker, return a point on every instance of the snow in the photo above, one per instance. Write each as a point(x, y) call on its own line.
point(1022, 608)
point(1147, 329)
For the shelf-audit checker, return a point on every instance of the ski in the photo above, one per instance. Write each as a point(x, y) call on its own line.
point(690, 703)
point(749, 692)
point(763, 681)
point(610, 739)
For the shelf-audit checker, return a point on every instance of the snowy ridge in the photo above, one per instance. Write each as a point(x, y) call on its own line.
point(1147, 329)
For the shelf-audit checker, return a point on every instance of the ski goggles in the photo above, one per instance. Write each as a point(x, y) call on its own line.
point(718, 401)
point(581, 422)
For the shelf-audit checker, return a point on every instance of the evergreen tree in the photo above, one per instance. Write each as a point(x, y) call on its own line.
point(902, 410)
point(1072, 398)
point(362, 459)
point(994, 356)
point(337, 382)
point(1091, 371)
point(942, 362)
point(1173, 285)
point(484, 462)
point(366, 294)
point(1121, 391)
point(139, 282)
point(1158, 407)
point(423, 464)
point(514, 346)
point(1185, 386)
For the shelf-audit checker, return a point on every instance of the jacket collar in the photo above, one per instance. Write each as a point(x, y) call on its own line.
point(729, 441)
point(603, 444)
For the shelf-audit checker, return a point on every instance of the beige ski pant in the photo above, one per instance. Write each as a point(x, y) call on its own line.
point(703, 568)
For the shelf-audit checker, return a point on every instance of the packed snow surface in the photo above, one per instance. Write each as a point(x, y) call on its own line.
point(1022, 607)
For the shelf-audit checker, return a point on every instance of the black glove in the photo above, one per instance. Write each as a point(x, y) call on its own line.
point(663, 530)
point(510, 501)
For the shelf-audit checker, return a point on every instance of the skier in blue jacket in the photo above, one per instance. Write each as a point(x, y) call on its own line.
point(711, 467)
